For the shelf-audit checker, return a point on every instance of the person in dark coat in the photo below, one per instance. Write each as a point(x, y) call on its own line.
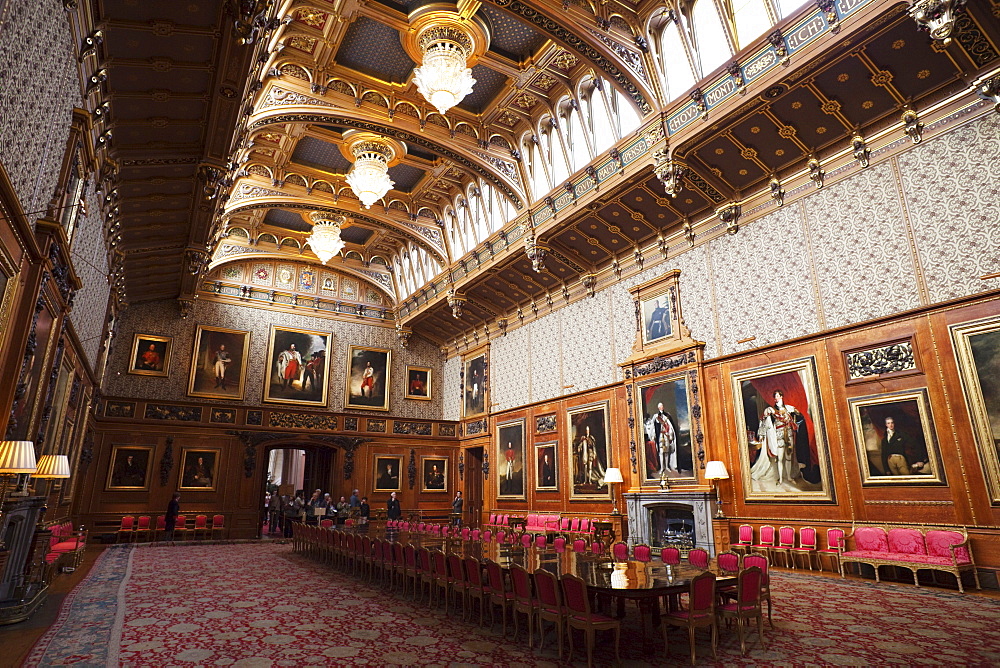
point(366, 510)
point(173, 510)
point(394, 511)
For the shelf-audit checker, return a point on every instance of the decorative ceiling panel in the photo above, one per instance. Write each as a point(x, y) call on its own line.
point(313, 152)
point(354, 234)
point(406, 177)
point(374, 49)
point(287, 219)
point(509, 37)
point(489, 84)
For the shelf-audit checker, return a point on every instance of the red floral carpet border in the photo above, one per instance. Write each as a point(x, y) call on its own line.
point(261, 605)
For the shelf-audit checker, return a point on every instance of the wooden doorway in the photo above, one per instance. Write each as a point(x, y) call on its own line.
point(473, 486)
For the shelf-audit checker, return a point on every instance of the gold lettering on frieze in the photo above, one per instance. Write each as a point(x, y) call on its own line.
point(848, 6)
point(720, 92)
point(682, 118)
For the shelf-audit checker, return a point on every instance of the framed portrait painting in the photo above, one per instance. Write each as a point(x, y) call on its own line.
point(656, 319)
point(664, 429)
point(895, 438)
point(150, 355)
point(129, 469)
point(298, 365)
point(434, 474)
point(510, 459)
point(219, 363)
point(977, 349)
point(418, 382)
point(198, 470)
point(783, 450)
point(387, 469)
point(368, 378)
point(546, 467)
point(590, 455)
point(474, 386)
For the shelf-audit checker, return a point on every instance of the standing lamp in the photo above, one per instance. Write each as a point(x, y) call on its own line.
point(611, 476)
point(52, 467)
point(16, 457)
point(716, 470)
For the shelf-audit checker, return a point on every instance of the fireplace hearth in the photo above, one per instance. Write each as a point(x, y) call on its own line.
point(671, 519)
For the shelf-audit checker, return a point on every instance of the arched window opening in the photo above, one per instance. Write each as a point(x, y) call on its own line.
point(676, 66)
point(752, 20)
point(710, 36)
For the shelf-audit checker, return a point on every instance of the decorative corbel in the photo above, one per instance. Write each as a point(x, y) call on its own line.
point(989, 90)
point(661, 243)
point(403, 334)
point(616, 266)
point(565, 292)
point(589, 283)
point(456, 304)
point(730, 215)
point(196, 260)
point(689, 232)
point(637, 256)
point(936, 16)
point(90, 44)
point(185, 307)
point(736, 72)
point(592, 173)
point(777, 192)
point(670, 172)
point(698, 97)
point(461, 464)
point(536, 252)
point(912, 127)
point(777, 40)
point(502, 324)
point(861, 151)
point(828, 7)
point(816, 172)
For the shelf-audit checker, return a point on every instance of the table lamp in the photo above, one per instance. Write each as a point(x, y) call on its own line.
point(16, 457)
point(611, 476)
point(716, 470)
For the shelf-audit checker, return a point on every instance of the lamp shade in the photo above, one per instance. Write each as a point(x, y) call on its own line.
point(715, 470)
point(613, 475)
point(53, 466)
point(17, 457)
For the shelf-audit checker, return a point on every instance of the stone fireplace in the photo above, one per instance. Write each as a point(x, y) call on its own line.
point(671, 519)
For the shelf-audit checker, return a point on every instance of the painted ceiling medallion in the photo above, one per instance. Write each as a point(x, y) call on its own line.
point(446, 44)
point(372, 156)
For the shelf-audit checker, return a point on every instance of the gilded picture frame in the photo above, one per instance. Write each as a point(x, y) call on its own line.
point(778, 407)
point(219, 363)
point(150, 355)
point(129, 468)
point(664, 436)
point(387, 473)
point(199, 470)
point(895, 439)
point(419, 383)
point(298, 367)
point(546, 467)
point(656, 316)
point(475, 384)
point(8, 286)
point(368, 378)
point(977, 352)
point(511, 466)
point(433, 474)
point(590, 451)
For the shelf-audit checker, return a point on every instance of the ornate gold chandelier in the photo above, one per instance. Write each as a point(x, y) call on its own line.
point(372, 156)
point(325, 239)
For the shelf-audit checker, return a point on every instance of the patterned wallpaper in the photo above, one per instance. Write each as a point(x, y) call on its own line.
point(163, 318)
point(851, 251)
point(40, 89)
point(450, 386)
point(91, 264)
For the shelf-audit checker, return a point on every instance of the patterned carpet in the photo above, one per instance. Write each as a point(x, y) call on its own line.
point(261, 605)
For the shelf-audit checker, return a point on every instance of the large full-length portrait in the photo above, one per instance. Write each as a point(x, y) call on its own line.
point(474, 386)
point(298, 362)
point(150, 355)
point(418, 382)
point(665, 429)
point(387, 469)
point(219, 362)
point(546, 467)
point(895, 438)
point(977, 348)
point(656, 321)
point(129, 469)
point(27, 406)
point(434, 474)
point(510, 459)
point(783, 450)
point(199, 470)
point(589, 451)
point(368, 378)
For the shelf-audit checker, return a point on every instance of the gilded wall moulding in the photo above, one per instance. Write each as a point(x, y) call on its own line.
point(169, 412)
point(302, 421)
point(476, 427)
point(119, 409)
point(375, 425)
point(546, 424)
point(890, 359)
point(446, 430)
point(415, 428)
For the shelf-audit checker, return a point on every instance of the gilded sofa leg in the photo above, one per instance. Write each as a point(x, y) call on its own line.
point(958, 578)
point(915, 581)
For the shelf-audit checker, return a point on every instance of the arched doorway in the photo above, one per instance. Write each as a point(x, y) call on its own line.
point(298, 465)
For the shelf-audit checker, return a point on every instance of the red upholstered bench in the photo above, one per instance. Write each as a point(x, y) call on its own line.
point(66, 541)
point(945, 550)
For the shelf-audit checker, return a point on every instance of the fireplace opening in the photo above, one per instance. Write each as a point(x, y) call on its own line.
point(672, 525)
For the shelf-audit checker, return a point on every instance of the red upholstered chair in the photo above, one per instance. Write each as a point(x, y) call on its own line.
point(524, 601)
point(728, 562)
point(564, 524)
point(200, 526)
point(744, 539)
point(487, 536)
point(670, 556)
point(541, 541)
point(641, 552)
point(424, 573)
point(559, 543)
point(765, 540)
point(466, 533)
point(700, 612)
point(492, 521)
point(698, 558)
point(457, 584)
point(218, 526)
point(475, 535)
point(498, 593)
point(510, 537)
point(398, 566)
point(951, 548)
point(161, 527)
point(807, 546)
point(786, 541)
point(834, 546)
point(760, 561)
point(747, 605)
point(409, 569)
point(597, 547)
point(574, 526)
point(476, 588)
point(126, 530)
point(142, 528)
point(550, 606)
point(619, 551)
point(326, 524)
point(181, 528)
point(579, 545)
point(439, 579)
point(501, 536)
point(526, 540)
point(579, 616)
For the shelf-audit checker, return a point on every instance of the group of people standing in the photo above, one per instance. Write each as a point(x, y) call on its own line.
point(282, 511)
